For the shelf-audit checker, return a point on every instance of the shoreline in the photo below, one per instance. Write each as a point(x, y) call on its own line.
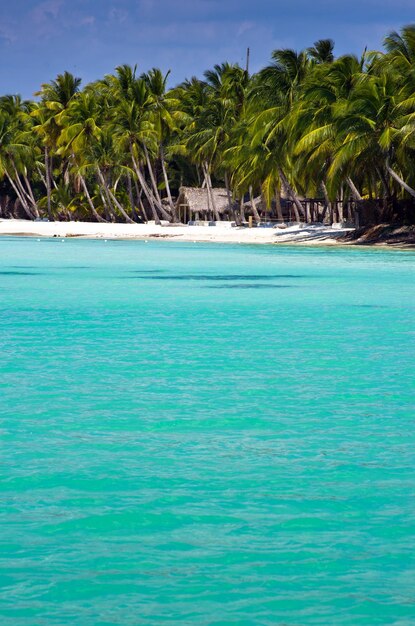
point(301, 235)
point(221, 233)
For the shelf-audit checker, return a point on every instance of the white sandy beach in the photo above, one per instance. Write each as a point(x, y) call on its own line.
point(222, 232)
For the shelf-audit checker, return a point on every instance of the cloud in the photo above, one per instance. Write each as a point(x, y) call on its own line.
point(88, 20)
point(244, 27)
point(46, 11)
point(146, 6)
point(187, 36)
point(118, 15)
point(7, 34)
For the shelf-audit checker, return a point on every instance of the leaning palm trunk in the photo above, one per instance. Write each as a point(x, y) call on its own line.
point(151, 172)
point(89, 200)
point(278, 205)
point(166, 182)
point(25, 194)
point(398, 179)
point(32, 197)
point(113, 198)
point(109, 212)
point(139, 194)
point(209, 191)
point(106, 199)
point(144, 187)
point(121, 208)
point(385, 184)
point(147, 191)
point(21, 198)
point(298, 207)
point(143, 209)
point(131, 197)
point(18, 182)
point(48, 185)
point(228, 193)
point(242, 210)
point(328, 204)
point(253, 206)
point(169, 196)
point(354, 189)
point(42, 178)
point(52, 180)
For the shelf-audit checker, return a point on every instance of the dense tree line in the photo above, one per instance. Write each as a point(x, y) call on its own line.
point(308, 124)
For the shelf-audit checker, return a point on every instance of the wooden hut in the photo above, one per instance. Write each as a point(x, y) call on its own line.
point(195, 203)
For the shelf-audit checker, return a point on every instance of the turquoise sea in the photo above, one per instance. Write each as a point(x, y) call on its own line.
point(201, 434)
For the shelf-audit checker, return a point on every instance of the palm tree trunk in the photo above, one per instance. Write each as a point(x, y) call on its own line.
point(89, 199)
point(42, 178)
point(22, 199)
point(32, 197)
point(143, 209)
point(148, 193)
point(108, 203)
point(208, 180)
point(52, 180)
point(341, 215)
point(384, 182)
point(23, 191)
point(278, 204)
point(228, 192)
point(139, 200)
point(166, 182)
point(151, 172)
point(354, 189)
point(169, 196)
point(242, 210)
point(144, 187)
point(328, 206)
point(109, 213)
point(402, 183)
point(48, 186)
point(298, 207)
point(113, 198)
point(131, 197)
point(121, 208)
point(253, 206)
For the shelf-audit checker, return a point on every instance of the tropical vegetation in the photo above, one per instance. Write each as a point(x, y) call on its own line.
point(307, 125)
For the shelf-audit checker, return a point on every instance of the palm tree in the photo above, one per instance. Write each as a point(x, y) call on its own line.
point(213, 108)
point(55, 97)
point(59, 92)
point(135, 131)
point(17, 151)
point(307, 123)
point(80, 131)
point(322, 51)
point(372, 128)
point(165, 116)
point(274, 92)
point(313, 123)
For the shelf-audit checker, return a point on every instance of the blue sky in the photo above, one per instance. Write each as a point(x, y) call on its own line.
point(41, 38)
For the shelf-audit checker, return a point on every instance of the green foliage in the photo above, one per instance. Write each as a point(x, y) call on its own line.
point(308, 121)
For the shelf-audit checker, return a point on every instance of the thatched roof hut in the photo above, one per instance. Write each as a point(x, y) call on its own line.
point(195, 202)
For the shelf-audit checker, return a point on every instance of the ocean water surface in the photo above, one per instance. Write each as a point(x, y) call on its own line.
point(206, 434)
